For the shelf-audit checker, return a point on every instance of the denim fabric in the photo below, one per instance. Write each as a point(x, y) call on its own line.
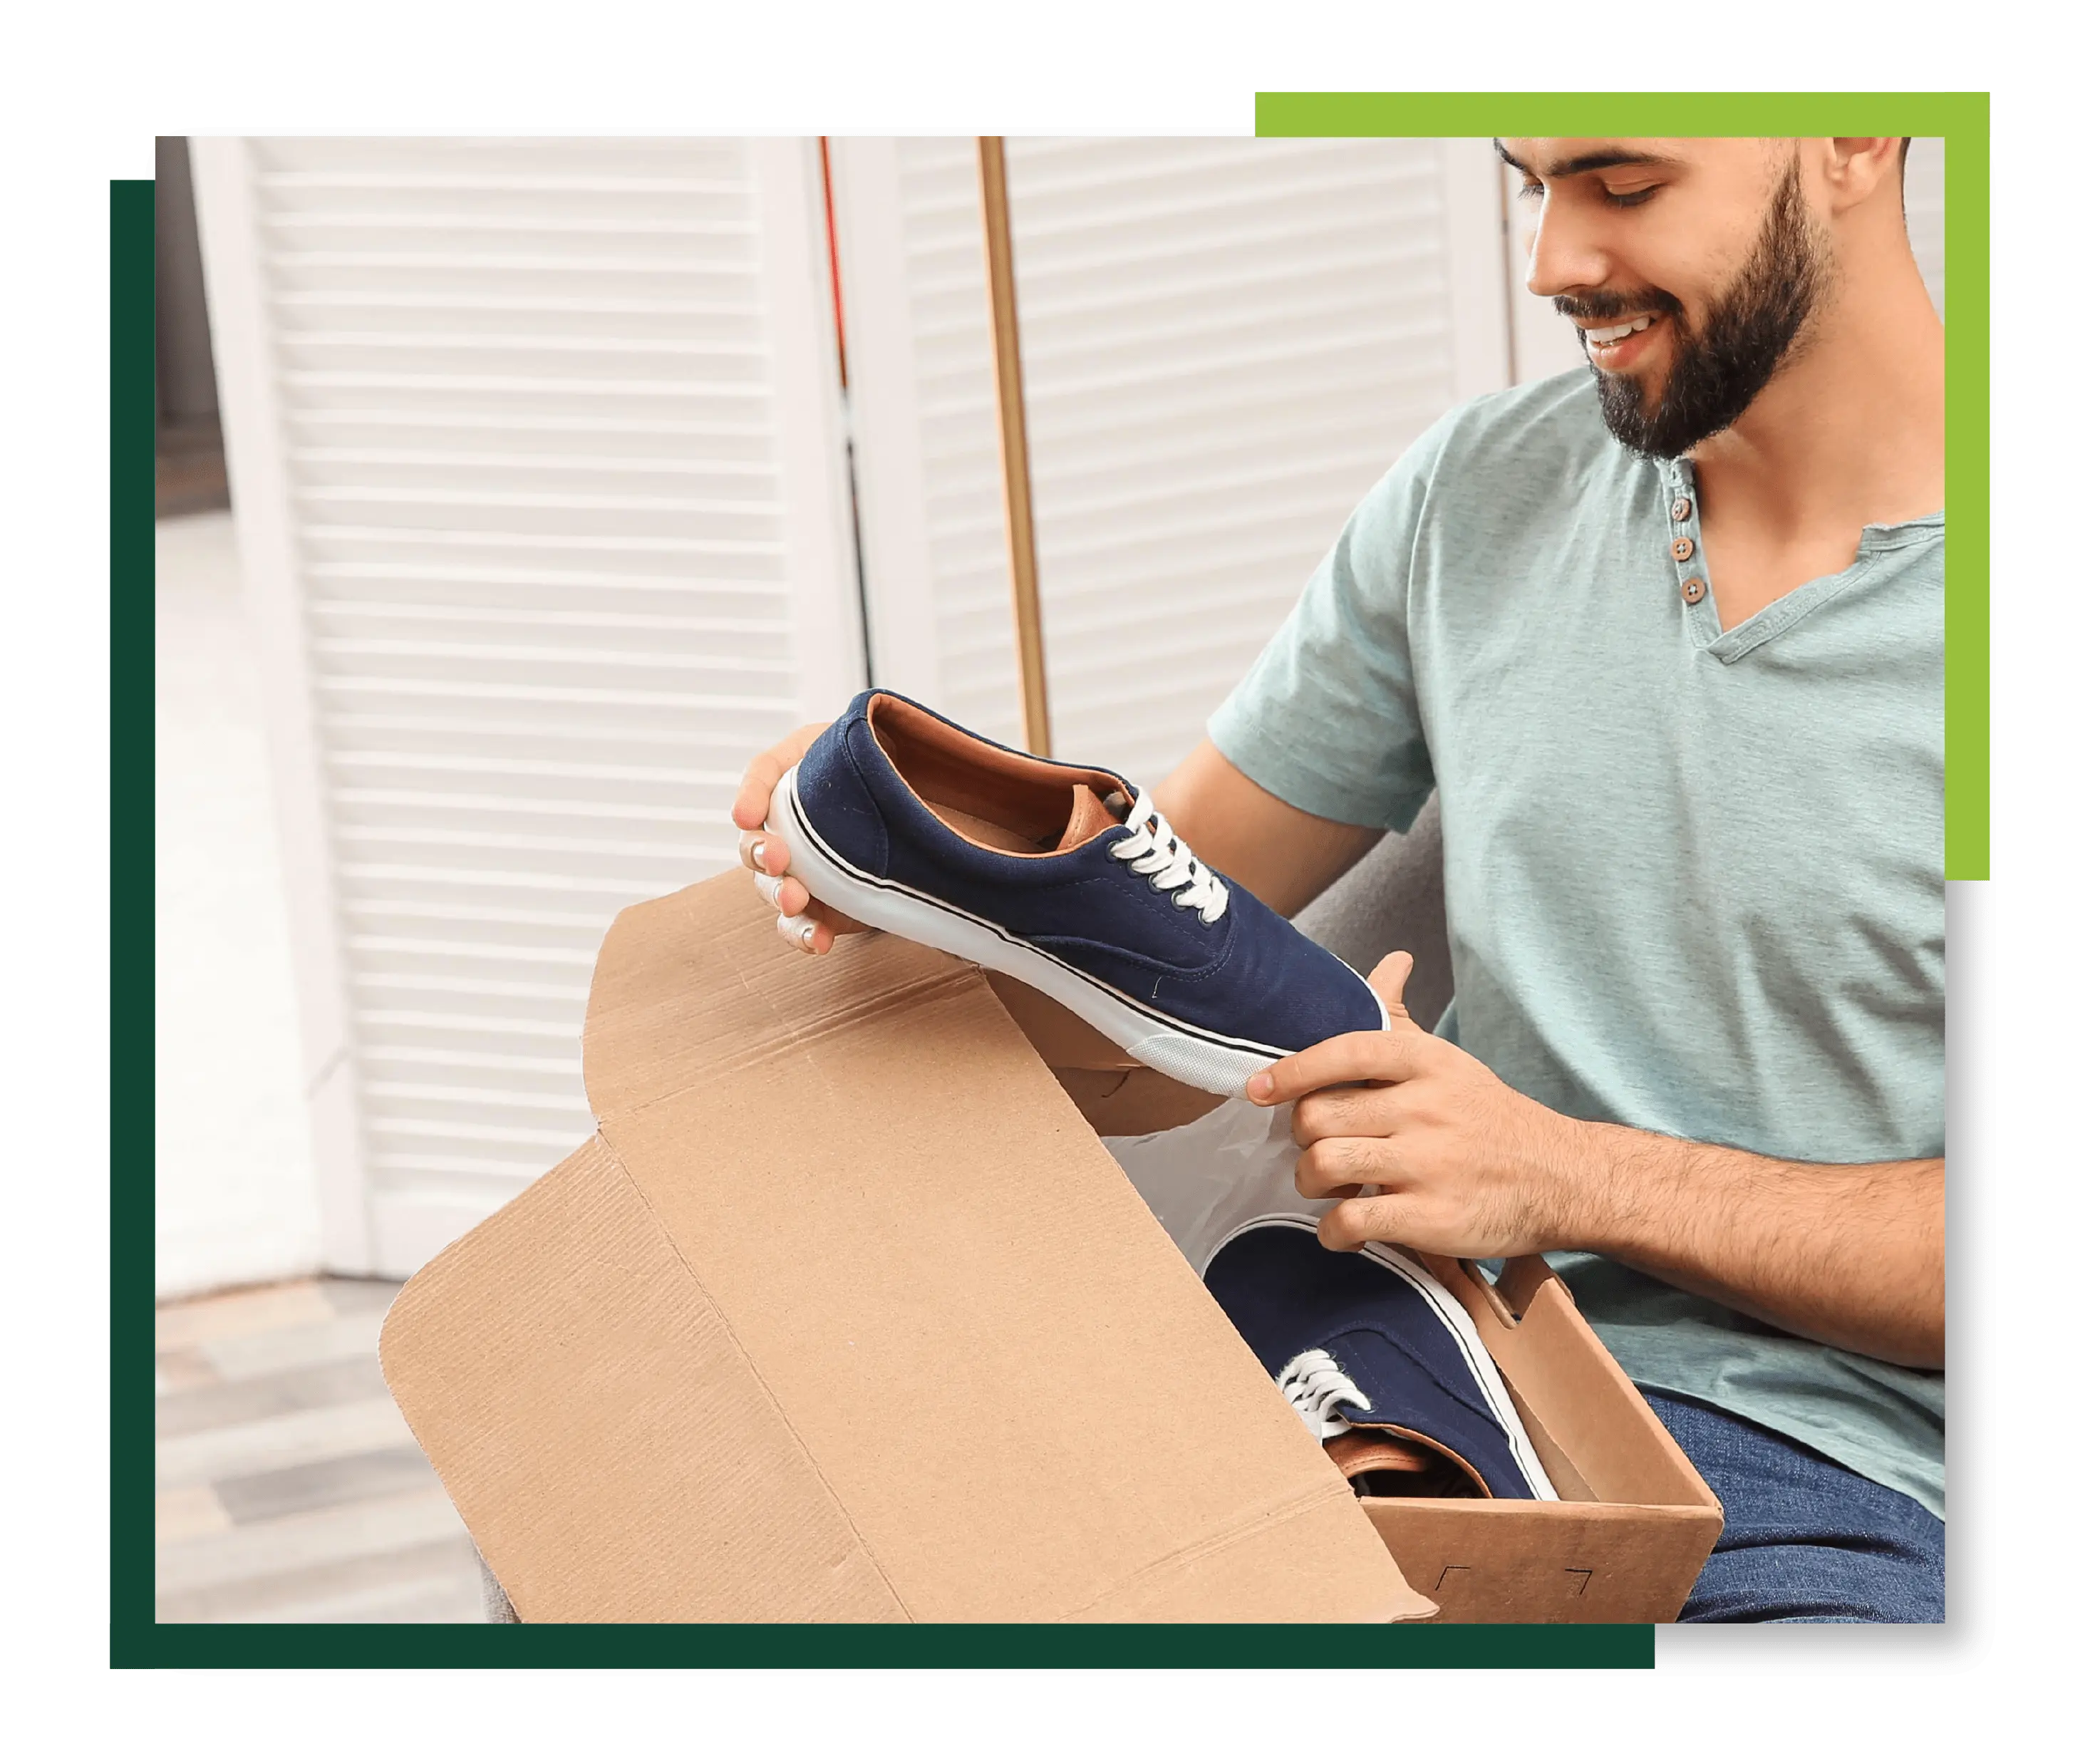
point(1248, 977)
point(835, 795)
point(1802, 1538)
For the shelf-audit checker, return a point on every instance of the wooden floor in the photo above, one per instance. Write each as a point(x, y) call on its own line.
point(289, 1487)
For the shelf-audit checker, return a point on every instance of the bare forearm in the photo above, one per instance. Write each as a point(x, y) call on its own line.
point(1852, 1255)
point(1419, 1142)
point(1286, 858)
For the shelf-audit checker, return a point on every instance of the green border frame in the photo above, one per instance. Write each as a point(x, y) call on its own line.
point(137, 1641)
point(1963, 119)
point(132, 420)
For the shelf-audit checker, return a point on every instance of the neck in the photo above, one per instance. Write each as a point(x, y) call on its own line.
point(1852, 428)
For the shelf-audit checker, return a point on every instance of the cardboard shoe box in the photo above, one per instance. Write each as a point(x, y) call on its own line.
point(845, 1314)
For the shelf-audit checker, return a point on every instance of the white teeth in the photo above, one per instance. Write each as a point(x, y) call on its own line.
point(1603, 338)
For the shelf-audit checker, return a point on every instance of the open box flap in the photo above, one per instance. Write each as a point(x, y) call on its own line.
point(1586, 1418)
point(583, 1402)
point(973, 1377)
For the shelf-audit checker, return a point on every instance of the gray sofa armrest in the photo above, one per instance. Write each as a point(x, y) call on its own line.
point(1393, 899)
point(495, 1605)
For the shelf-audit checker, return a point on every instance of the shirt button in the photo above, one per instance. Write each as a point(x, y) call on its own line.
point(1694, 590)
point(1680, 509)
point(1681, 549)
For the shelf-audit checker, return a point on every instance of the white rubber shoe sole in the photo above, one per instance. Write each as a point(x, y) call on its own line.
point(1211, 1062)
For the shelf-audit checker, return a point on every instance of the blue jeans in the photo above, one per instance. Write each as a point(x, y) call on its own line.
point(1802, 1538)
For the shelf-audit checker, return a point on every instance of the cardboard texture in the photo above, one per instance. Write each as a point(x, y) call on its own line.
point(813, 1331)
point(1636, 1522)
point(1115, 1094)
point(846, 1314)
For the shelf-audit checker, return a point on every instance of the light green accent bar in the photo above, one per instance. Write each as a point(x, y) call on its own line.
point(1968, 488)
point(1963, 119)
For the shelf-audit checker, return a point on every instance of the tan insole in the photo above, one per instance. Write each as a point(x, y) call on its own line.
point(986, 832)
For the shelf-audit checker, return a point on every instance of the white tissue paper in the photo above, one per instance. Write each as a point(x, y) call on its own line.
point(1203, 1180)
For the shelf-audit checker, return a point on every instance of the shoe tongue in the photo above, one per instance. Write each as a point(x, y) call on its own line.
point(1090, 817)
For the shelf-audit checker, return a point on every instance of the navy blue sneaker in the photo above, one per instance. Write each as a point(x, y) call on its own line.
point(1370, 1341)
point(1065, 877)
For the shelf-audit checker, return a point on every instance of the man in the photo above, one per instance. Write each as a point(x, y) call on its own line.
point(1667, 636)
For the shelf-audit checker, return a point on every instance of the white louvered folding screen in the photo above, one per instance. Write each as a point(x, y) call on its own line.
point(1925, 211)
point(539, 481)
point(1225, 343)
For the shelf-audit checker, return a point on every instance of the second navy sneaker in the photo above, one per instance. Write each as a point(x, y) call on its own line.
point(1370, 1349)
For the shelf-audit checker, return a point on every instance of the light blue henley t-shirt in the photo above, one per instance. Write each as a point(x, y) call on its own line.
point(1694, 878)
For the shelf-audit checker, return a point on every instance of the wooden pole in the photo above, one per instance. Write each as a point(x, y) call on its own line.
point(1013, 444)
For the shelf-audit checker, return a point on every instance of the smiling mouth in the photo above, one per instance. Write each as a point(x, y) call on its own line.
point(1613, 345)
point(1604, 333)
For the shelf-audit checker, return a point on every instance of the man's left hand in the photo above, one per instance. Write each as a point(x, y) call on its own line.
point(1451, 1159)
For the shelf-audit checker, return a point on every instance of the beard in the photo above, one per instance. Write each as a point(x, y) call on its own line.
point(1753, 327)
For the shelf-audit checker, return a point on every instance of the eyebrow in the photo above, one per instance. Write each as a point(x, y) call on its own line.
point(1595, 162)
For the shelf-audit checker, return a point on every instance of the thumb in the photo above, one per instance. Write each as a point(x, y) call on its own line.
point(1389, 980)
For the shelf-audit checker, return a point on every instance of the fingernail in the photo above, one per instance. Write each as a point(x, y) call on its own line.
point(768, 888)
point(1261, 1085)
point(758, 853)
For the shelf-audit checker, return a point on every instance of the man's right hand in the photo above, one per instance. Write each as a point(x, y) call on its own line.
point(807, 924)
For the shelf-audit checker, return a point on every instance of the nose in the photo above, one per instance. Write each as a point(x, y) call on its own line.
point(1566, 258)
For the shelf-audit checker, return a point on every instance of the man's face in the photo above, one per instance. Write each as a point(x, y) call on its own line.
point(1692, 268)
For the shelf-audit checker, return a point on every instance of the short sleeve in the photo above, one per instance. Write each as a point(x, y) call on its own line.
point(1327, 718)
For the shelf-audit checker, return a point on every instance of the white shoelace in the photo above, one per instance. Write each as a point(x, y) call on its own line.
point(1314, 1384)
point(1152, 848)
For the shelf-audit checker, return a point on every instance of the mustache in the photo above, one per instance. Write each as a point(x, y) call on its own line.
point(1601, 308)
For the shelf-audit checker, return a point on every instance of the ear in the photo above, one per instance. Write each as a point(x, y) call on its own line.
point(1389, 980)
point(1861, 167)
